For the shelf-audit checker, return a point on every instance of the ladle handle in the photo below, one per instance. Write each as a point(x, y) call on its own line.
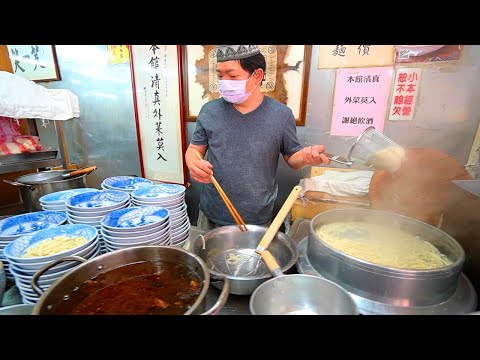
point(81, 171)
point(338, 159)
point(277, 222)
point(271, 263)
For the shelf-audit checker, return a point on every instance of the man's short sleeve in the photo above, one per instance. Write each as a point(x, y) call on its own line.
point(199, 136)
point(290, 143)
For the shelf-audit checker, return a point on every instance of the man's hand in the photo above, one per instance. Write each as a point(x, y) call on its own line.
point(313, 155)
point(201, 171)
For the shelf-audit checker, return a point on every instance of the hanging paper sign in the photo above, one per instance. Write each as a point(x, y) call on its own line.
point(348, 56)
point(118, 54)
point(360, 100)
point(405, 93)
point(160, 128)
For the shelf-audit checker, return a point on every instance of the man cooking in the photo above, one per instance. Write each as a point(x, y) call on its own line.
point(245, 132)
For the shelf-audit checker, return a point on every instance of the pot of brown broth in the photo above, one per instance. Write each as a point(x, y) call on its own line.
point(144, 280)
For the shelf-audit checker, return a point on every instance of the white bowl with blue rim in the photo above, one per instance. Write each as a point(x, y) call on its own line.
point(160, 241)
point(96, 213)
point(180, 237)
point(160, 191)
point(30, 269)
point(17, 248)
point(85, 218)
point(128, 183)
point(134, 232)
point(48, 278)
point(59, 197)
point(54, 207)
point(135, 218)
point(97, 201)
point(136, 242)
point(135, 238)
point(179, 228)
point(16, 226)
point(170, 203)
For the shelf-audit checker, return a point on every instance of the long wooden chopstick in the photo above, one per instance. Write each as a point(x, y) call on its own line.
point(236, 216)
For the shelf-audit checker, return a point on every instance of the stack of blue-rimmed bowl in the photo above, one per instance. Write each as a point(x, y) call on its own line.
point(89, 208)
point(136, 226)
point(24, 268)
point(13, 227)
point(56, 200)
point(125, 183)
point(171, 197)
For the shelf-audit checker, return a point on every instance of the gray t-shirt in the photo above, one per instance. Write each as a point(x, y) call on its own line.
point(244, 151)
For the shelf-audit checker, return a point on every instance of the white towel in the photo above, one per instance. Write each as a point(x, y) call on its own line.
point(339, 183)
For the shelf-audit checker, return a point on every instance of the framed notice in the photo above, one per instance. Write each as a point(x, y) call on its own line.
point(286, 77)
point(360, 99)
point(158, 111)
point(34, 62)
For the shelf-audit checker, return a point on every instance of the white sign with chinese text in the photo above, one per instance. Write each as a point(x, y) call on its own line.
point(405, 93)
point(34, 62)
point(340, 56)
point(360, 100)
point(157, 104)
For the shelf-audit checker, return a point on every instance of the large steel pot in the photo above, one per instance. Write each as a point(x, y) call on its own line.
point(56, 300)
point(399, 287)
point(283, 248)
point(32, 187)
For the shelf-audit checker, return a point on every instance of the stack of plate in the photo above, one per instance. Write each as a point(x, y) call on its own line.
point(13, 227)
point(56, 201)
point(24, 268)
point(171, 197)
point(89, 208)
point(136, 226)
point(125, 183)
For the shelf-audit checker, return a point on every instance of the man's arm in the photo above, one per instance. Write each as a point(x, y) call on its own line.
point(310, 155)
point(200, 170)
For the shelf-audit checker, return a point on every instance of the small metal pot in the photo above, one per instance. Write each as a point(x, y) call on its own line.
point(301, 295)
point(393, 286)
point(231, 237)
point(32, 188)
point(56, 300)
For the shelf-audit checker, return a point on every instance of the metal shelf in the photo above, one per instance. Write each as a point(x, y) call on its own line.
point(29, 165)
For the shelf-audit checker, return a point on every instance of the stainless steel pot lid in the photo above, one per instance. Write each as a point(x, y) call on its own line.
point(463, 301)
point(43, 177)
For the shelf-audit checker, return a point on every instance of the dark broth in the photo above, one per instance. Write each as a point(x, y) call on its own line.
point(145, 288)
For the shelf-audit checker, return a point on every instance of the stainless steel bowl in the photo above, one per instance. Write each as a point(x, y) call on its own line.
point(399, 287)
point(216, 241)
point(301, 295)
point(19, 309)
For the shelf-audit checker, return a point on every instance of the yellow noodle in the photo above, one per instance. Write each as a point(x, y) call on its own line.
point(53, 246)
point(382, 245)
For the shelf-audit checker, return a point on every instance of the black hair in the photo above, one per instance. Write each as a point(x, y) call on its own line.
point(253, 63)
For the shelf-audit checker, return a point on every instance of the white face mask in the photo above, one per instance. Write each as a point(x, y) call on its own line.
point(234, 91)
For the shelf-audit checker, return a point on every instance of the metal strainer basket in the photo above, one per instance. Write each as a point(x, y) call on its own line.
point(374, 149)
point(229, 252)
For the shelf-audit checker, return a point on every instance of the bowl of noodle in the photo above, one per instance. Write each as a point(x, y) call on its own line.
point(51, 244)
point(385, 257)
